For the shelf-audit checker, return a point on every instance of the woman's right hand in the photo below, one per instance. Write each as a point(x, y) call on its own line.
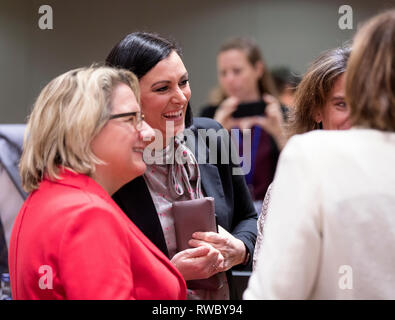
point(224, 113)
point(198, 263)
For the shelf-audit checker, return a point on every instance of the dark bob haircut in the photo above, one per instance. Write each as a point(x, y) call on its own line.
point(139, 52)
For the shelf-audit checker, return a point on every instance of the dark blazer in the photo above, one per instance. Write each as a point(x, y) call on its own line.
point(233, 204)
point(11, 141)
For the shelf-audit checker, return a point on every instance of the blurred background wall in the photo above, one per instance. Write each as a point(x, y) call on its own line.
point(290, 33)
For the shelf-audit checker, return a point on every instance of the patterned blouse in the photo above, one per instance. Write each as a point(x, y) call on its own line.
point(169, 179)
point(260, 225)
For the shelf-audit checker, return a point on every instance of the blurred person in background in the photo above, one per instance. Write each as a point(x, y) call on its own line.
point(243, 77)
point(286, 82)
point(11, 140)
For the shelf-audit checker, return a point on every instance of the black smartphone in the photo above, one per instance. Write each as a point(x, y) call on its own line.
point(250, 109)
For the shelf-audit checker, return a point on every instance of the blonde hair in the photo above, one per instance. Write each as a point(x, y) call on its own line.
point(370, 80)
point(313, 91)
point(254, 55)
point(67, 115)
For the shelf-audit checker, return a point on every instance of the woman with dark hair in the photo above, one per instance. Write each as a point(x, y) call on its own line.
point(319, 104)
point(244, 78)
point(286, 82)
point(147, 200)
point(330, 232)
point(139, 52)
point(320, 96)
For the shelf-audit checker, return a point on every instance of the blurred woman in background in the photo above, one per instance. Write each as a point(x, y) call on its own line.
point(286, 82)
point(244, 78)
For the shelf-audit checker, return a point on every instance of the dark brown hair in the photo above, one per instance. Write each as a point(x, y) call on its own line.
point(313, 91)
point(139, 52)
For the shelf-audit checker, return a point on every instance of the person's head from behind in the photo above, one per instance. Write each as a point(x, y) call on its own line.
point(320, 96)
point(163, 78)
point(370, 88)
point(286, 82)
point(242, 72)
point(87, 120)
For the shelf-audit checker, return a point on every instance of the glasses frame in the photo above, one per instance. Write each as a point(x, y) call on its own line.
point(138, 118)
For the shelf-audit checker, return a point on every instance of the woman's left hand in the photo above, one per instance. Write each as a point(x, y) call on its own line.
point(232, 249)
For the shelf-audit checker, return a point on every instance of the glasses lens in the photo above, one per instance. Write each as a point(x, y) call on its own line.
point(136, 118)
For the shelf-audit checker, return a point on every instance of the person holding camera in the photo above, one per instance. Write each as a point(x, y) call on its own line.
point(246, 99)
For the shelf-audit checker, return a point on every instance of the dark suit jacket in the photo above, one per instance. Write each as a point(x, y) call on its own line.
point(11, 140)
point(233, 204)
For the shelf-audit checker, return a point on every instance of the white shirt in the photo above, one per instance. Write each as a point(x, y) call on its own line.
point(10, 203)
point(330, 229)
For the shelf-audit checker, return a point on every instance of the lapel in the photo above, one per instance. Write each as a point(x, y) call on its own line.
point(157, 250)
point(135, 200)
point(210, 177)
point(11, 140)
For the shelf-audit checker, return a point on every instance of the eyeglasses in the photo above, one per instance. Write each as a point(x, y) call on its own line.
point(136, 118)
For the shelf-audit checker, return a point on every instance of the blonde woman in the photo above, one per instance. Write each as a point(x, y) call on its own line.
point(85, 139)
point(330, 232)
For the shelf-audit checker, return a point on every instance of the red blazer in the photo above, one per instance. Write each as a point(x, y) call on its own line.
point(70, 231)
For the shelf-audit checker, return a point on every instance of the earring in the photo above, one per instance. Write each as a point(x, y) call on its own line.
point(318, 125)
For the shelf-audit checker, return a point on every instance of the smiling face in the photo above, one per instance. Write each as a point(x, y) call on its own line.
point(165, 94)
point(335, 113)
point(119, 144)
point(237, 76)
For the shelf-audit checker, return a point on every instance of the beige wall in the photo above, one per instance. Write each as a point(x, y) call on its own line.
point(290, 32)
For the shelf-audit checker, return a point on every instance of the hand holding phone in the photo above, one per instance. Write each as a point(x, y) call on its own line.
point(250, 109)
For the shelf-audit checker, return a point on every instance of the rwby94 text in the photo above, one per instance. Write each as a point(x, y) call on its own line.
point(198, 309)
